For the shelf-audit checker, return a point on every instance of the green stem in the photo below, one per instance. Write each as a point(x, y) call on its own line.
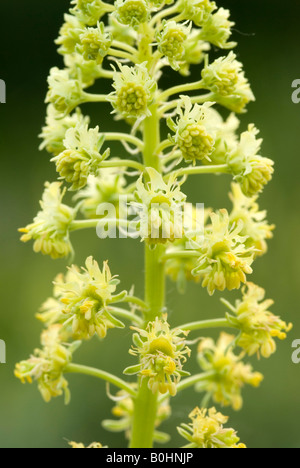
point(219, 169)
point(123, 163)
point(125, 314)
point(215, 323)
point(124, 46)
point(92, 223)
point(181, 89)
point(88, 97)
point(137, 301)
point(145, 406)
point(115, 136)
point(100, 374)
point(121, 54)
point(180, 254)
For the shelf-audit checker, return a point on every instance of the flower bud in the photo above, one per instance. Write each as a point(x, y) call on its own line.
point(162, 352)
point(69, 35)
point(89, 11)
point(50, 228)
point(132, 12)
point(134, 91)
point(206, 430)
point(95, 43)
point(217, 29)
point(250, 170)
point(81, 157)
point(171, 42)
point(54, 132)
point(225, 78)
point(230, 373)
point(64, 92)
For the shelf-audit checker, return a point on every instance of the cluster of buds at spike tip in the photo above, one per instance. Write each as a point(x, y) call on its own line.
point(258, 326)
point(82, 298)
point(132, 12)
point(250, 170)
point(65, 92)
point(226, 80)
point(54, 132)
point(195, 130)
point(94, 43)
point(171, 41)
point(90, 12)
point(159, 206)
point(162, 352)
point(50, 228)
point(107, 187)
point(94, 445)
point(124, 412)
point(207, 431)
point(134, 92)
point(229, 373)
point(224, 260)
point(81, 157)
point(46, 365)
point(255, 225)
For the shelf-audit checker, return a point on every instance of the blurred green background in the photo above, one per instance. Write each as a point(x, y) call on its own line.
point(268, 34)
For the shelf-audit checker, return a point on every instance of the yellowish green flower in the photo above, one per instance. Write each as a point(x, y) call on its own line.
point(94, 445)
point(259, 327)
point(95, 43)
point(54, 132)
point(250, 170)
point(50, 228)
point(195, 130)
point(226, 139)
point(65, 93)
point(224, 260)
point(132, 12)
point(217, 29)
point(162, 352)
point(159, 206)
point(90, 11)
point(180, 269)
point(206, 431)
point(134, 91)
point(194, 52)
point(86, 296)
point(87, 72)
point(69, 35)
point(225, 78)
point(255, 225)
point(107, 187)
point(81, 157)
point(171, 41)
point(124, 412)
point(47, 365)
point(230, 374)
